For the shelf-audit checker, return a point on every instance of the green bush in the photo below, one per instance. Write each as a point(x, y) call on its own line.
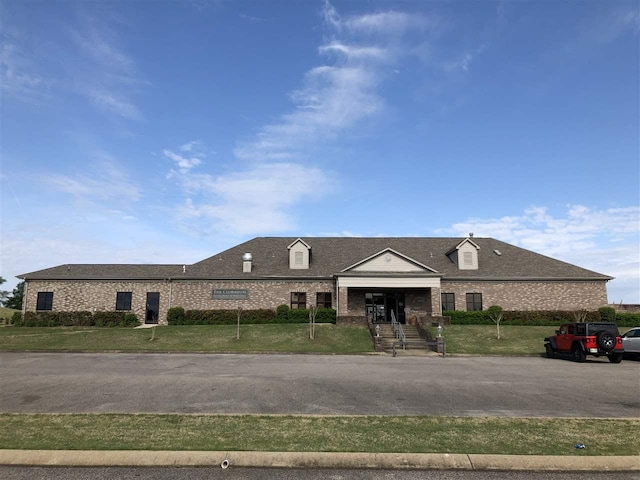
point(229, 317)
point(607, 314)
point(282, 313)
point(131, 320)
point(515, 317)
point(176, 316)
point(109, 319)
point(16, 319)
point(326, 315)
point(628, 319)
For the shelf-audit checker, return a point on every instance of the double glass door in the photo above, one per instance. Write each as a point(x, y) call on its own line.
point(379, 306)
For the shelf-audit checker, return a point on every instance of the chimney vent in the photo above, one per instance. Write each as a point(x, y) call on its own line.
point(247, 258)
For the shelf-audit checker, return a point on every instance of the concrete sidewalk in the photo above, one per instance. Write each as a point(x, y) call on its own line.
point(148, 458)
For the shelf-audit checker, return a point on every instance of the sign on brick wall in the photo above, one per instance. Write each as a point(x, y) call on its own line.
point(230, 294)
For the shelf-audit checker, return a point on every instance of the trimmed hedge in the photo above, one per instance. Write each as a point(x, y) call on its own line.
point(537, 318)
point(175, 316)
point(75, 319)
point(256, 316)
point(223, 317)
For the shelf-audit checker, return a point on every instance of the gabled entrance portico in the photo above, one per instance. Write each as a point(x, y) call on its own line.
point(386, 282)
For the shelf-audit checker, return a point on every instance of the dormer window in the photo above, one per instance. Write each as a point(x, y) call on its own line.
point(299, 255)
point(465, 255)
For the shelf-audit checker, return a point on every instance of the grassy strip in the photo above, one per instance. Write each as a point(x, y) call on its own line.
point(420, 434)
point(482, 339)
point(292, 338)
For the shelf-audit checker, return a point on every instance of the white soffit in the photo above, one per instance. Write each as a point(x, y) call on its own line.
point(389, 282)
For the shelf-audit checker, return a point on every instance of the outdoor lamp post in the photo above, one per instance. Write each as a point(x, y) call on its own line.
point(439, 331)
point(377, 330)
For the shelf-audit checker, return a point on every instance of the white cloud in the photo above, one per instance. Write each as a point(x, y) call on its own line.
point(110, 101)
point(603, 240)
point(81, 55)
point(106, 180)
point(184, 164)
point(257, 200)
point(335, 97)
point(18, 77)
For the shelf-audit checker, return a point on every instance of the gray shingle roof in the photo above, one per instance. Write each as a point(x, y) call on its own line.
point(331, 255)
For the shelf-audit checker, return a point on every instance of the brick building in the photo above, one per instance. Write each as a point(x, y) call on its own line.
point(357, 276)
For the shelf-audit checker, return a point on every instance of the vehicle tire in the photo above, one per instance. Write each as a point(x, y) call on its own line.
point(550, 351)
point(615, 358)
point(606, 341)
point(578, 353)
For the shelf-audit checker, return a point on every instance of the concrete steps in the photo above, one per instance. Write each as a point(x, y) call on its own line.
point(417, 345)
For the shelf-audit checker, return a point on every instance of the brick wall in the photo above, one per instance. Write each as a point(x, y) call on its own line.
point(531, 295)
point(194, 295)
point(101, 295)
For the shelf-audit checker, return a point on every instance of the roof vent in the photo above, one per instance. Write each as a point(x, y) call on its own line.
point(497, 252)
point(247, 258)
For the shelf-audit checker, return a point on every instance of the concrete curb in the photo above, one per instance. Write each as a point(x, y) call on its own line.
point(146, 458)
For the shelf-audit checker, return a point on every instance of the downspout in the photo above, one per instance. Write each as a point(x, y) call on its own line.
point(170, 291)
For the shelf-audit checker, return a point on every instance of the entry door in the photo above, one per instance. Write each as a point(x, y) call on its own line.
point(395, 302)
point(153, 307)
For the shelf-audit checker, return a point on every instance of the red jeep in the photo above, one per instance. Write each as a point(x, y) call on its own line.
point(582, 339)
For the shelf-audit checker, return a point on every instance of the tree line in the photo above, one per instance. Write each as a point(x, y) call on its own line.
point(12, 299)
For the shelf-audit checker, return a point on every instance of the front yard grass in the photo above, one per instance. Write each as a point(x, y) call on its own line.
point(415, 434)
point(482, 339)
point(285, 338)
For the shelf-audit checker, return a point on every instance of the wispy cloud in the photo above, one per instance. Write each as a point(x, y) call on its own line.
point(604, 240)
point(106, 180)
point(253, 200)
point(338, 95)
point(19, 77)
point(81, 55)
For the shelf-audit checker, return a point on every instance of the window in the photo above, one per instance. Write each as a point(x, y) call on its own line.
point(467, 258)
point(123, 301)
point(474, 302)
point(323, 299)
point(299, 258)
point(298, 300)
point(45, 301)
point(448, 302)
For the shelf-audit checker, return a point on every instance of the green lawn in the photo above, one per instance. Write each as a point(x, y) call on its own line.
point(482, 339)
point(189, 338)
point(418, 434)
point(7, 313)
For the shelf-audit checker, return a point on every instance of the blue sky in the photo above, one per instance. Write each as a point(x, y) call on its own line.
point(167, 131)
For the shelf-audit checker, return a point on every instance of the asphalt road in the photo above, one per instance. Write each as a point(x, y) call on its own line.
point(317, 384)
point(208, 473)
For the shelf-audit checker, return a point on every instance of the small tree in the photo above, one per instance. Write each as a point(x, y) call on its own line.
point(15, 299)
point(313, 311)
point(580, 316)
point(495, 314)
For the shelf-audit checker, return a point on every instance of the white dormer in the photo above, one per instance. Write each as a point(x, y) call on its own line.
point(299, 255)
point(465, 255)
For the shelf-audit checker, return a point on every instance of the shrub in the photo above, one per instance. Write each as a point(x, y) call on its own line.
point(326, 315)
point(607, 314)
point(282, 313)
point(16, 319)
point(228, 317)
point(131, 320)
point(176, 316)
point(109, 319)
point(628, 319)
point(515, 317)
